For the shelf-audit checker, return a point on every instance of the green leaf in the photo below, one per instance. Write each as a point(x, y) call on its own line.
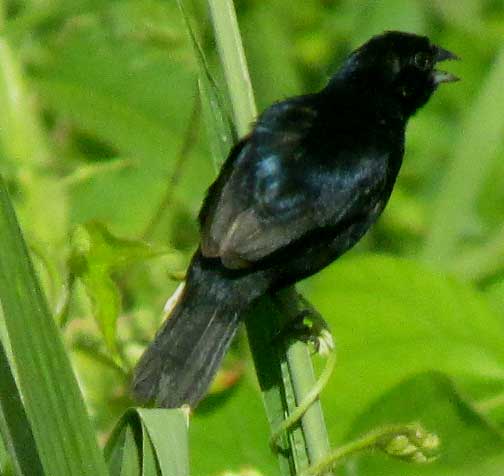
point(391, 319)
point(171, 447)
point(151, 439)
point(96, 254)
point(470, 446)
point(14, 425)
point(215, 119)
point(131, 458)
point(149, 463)
point(65, 440)
point(4, 460)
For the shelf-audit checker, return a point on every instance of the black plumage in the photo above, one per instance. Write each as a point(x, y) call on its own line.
point(301, 189)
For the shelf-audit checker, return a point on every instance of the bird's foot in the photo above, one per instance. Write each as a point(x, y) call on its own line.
point(315, 331)
point(310, 327)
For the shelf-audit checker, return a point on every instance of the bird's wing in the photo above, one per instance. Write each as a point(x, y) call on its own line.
point(274, 193)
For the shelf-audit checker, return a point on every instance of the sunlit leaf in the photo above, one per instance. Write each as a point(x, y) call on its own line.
point(470, 446)
point(391, 319)
point(96, 255)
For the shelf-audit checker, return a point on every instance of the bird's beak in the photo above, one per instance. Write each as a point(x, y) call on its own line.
point(443, 55)
point(442, 76)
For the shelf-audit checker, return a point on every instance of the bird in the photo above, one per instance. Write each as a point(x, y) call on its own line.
point(302, 188)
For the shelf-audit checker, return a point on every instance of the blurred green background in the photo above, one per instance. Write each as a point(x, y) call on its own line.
point(104, 144)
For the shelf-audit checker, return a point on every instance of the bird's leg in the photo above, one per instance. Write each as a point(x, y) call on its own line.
point(304, 322)
point(316, 329)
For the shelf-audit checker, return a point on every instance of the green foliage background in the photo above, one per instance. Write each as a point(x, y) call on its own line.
point(105, 147)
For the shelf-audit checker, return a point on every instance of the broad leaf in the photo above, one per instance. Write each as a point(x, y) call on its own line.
point(392, 319)
point(470, 446)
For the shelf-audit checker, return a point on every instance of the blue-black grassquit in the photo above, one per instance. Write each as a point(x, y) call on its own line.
point(302, 188)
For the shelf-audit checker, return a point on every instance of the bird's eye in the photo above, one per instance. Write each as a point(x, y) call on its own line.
point(422, 61)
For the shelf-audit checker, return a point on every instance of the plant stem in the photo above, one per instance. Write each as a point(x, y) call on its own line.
point(92, 350)
point(406, 442)
point(337, 455)
point(278, 374)
point(313, 425)
point(229, 44)
point(303, 382)
point(62, 311)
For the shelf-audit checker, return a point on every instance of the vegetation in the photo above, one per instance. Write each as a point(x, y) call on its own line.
point(114, 119)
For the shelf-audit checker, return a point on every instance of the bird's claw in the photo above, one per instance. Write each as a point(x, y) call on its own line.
point(310, 327)
point(324, 344)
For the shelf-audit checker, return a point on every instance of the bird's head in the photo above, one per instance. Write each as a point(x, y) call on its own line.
point(399, 64)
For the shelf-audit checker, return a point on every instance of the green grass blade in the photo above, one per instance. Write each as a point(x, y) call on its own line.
point(159, 436)
point(63, 434)
point(219, 128)
point(14, 425)
point(234, 64)
point(149, 462)
point(4, 459)
point(115, 445)
point(130, 457)
point(167, 430)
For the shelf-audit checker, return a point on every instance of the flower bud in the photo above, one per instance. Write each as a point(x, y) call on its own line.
point(410, 443)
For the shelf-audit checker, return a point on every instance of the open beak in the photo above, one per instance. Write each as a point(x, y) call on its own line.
point(442, 76)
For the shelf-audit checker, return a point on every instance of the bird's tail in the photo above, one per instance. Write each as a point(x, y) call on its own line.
point(179, 365)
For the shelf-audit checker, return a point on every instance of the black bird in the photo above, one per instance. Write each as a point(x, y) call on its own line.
point(302, 188)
